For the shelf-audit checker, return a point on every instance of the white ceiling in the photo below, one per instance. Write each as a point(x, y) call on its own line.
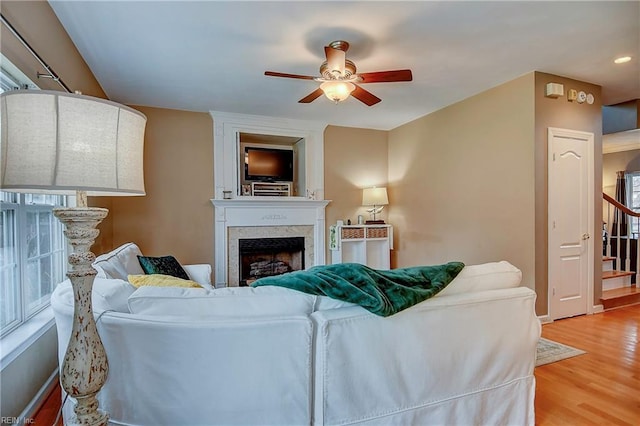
point(211, 55)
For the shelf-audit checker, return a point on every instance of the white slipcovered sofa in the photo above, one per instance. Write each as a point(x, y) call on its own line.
point(272, 356)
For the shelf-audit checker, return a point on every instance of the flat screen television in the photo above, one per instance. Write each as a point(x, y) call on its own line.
point(268, 164)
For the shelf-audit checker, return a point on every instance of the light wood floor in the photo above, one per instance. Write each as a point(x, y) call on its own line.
point(601, 387)
point(49, 410)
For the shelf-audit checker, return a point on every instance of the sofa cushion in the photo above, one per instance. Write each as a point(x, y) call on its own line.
point(159, 280)
point(486, 276)
point(165, 265)
point(111, 295)
point(119, 263)
point(230, 302)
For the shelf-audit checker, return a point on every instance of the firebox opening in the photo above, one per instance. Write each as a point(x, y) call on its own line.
point(264, 257)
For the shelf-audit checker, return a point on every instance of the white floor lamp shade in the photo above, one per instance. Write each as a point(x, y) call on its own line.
point(63, 143)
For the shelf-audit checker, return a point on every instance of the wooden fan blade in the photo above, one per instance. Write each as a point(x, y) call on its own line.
point(311, 96)
point(281, 74)
point(365, 96)
point(386, 76)
point(335, 59)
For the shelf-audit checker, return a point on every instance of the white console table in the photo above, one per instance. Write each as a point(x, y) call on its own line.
point(366, 244)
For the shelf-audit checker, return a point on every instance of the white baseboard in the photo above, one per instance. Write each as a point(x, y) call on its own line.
point(544, 319)
point(32, 408)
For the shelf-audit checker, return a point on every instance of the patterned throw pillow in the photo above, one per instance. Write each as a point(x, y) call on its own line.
point(165, 265)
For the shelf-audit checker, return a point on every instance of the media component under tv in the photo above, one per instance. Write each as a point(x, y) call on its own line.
point(268, 164)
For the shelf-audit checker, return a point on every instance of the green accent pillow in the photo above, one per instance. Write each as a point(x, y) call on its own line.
point(165, 265)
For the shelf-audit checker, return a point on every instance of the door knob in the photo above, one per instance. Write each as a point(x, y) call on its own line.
point(586, 236)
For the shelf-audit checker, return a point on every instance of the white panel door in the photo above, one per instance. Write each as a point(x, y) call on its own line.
point(570, 192)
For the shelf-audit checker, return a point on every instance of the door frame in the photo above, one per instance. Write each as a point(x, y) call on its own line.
point(587, 137)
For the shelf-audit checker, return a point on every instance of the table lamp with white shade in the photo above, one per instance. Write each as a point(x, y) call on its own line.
point(70, 144)
point(376, 197)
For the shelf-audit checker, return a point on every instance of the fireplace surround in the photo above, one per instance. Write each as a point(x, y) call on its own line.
point(238, 219)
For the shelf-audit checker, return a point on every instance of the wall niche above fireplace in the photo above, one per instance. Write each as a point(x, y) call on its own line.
point(232, 133)
point(271, 165)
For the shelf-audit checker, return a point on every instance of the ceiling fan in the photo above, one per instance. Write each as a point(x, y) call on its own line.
point(339, 78)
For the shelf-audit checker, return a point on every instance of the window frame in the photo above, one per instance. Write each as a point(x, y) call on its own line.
point(21, 206)
point(17, 298)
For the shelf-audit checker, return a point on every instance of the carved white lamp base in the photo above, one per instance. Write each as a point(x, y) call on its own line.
point(85, 366)
point(375, 210)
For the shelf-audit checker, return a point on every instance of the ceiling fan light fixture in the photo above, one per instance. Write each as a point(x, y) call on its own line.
point(337, 91)
point(338, 75)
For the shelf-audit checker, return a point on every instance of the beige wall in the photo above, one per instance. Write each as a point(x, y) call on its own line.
point(561, 113)
point(441, 213)
point(36, 22)
point(354, 159)
point(462, 181)
point(176, 215)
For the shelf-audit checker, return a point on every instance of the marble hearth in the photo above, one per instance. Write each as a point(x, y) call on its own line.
point(236, 219)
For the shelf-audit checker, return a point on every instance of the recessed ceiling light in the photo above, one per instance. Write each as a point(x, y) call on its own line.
point(622, 59)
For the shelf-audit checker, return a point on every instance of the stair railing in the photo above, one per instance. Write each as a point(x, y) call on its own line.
point(615, 212)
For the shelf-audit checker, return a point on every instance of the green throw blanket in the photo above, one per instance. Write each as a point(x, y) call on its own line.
point(383, 293)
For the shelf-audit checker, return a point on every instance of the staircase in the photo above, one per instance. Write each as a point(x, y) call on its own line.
point(620, 283)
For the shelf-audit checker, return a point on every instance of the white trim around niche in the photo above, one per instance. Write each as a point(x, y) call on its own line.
point(227, 125)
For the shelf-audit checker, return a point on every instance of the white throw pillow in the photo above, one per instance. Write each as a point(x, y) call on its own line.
point(230, 302)
point(486, 276)
point(119, 263)
point(111, 295)
point(200, 273)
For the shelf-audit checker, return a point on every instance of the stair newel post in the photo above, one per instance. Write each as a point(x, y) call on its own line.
point(609, 229)
point(618, 257)
point(638, 252)
point(627, 257)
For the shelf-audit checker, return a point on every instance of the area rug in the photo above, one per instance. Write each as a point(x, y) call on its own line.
point(549, 351)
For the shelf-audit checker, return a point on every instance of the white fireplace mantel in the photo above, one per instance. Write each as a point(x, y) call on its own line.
point(265, 211)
